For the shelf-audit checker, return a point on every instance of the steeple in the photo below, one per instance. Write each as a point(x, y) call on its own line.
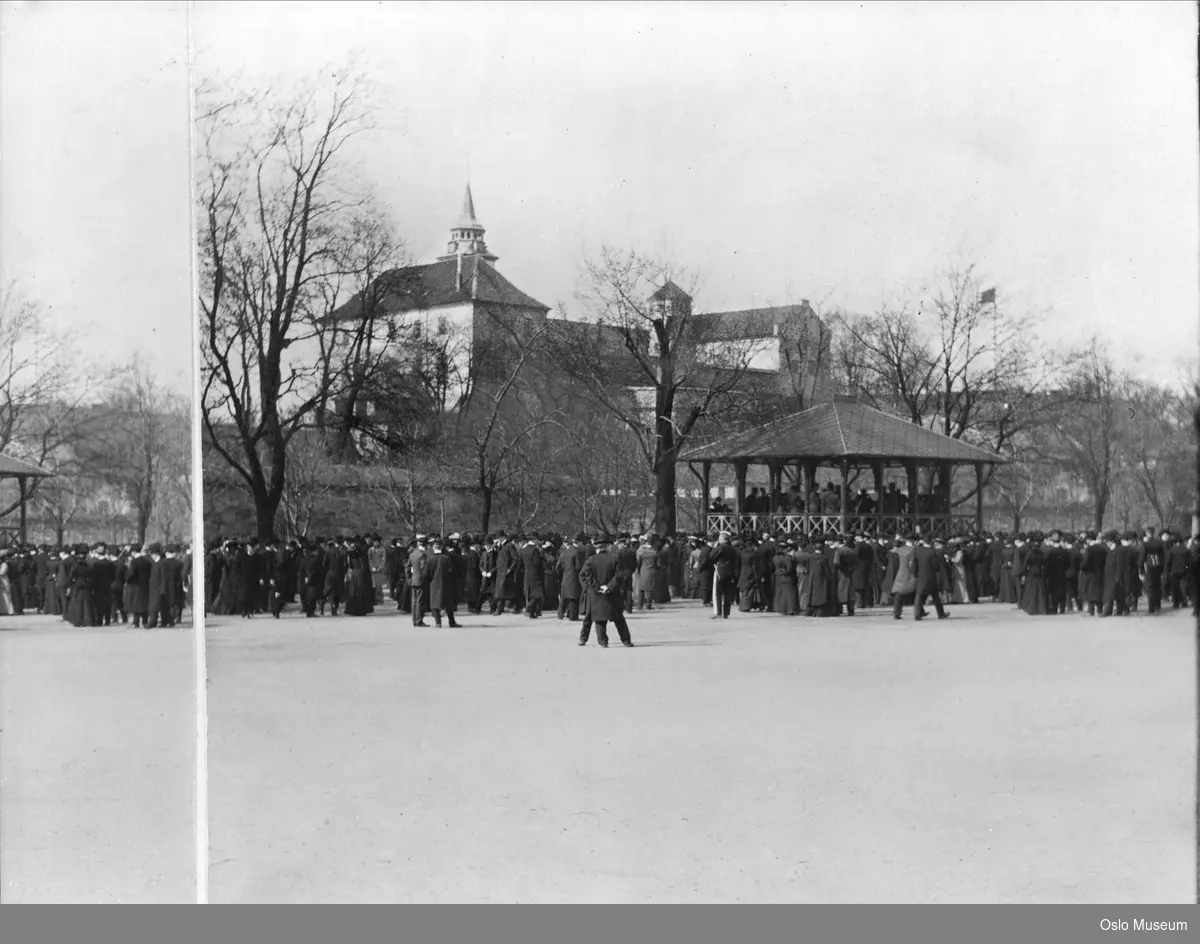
point(466, 236)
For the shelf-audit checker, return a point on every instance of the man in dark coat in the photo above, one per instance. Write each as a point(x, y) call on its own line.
point(822, 580)
point(175, 581)
point(748, 576)
point(250, 578)
point(627, 561)
point(472, 578)
point(568, 566)
point(137, 578)
point(1151, 561)
point(441, 579)
point(159, 603)
point(724, 563)
point(41, 569)
point(1178, 565)
point(103, 572)
point(507, 573)
point(1091, 573)
point(1116, 568)
point(928, 572)
point(311, 581)
point(603, 577)
point(764, 568)
point(534, 570)
point(862, 582)
point(335, 576)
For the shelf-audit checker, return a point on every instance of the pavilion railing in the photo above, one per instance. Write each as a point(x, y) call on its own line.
point(803, 524)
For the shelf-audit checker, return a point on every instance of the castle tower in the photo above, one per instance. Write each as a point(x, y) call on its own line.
point(466, 235)
point(671, 300)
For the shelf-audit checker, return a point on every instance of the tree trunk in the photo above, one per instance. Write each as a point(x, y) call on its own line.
point(664, 498)
point(142, 526)
point(265, 512)
point(485, 510)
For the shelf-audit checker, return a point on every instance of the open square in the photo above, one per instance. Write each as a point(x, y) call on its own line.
point(992, 757)
point(97, 763)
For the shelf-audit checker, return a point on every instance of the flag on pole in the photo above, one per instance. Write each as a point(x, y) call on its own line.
point(988, 297)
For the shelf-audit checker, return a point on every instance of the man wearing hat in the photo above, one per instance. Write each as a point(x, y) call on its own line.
point(1113, 578)
point(505, 588)
point(418, 577)
point(928, 571)
point(1178, 565)
point(1151, 560)
point(602, 578)
point(723, 560)
point(902, 575)
point(534, 571)
point(440, 584)
point(568, 565)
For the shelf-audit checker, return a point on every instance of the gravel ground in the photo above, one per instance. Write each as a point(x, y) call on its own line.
point(97, 763)
point(991, 757)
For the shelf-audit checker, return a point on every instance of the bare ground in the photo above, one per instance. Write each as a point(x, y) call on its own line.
point(97, 763)
point(992, 757)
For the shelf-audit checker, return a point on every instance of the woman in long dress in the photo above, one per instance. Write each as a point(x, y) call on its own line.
point(6, 601)
point(787, 600)
point(80, 609)
point(1033, 597)
point(958, 584)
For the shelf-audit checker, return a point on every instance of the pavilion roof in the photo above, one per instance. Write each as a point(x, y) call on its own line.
point(14, 468)
point(844, 428)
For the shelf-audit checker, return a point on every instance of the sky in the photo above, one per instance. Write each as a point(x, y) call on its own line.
point(95, 176)
point(843, 153)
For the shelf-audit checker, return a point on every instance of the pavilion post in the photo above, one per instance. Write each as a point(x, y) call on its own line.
point(877, 471)
point(945, 476)
point(910, 467)
point(775, 471)
point(705, 478)
point(21, 489)
point(845, 471)
point(739, 496)
point(978, 496)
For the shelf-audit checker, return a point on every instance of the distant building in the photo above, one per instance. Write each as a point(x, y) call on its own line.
point(452, 304)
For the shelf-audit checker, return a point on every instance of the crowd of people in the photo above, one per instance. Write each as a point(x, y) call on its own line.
point(98, 584)
point(828, 501)
point(1055, 573)
point(821, 575)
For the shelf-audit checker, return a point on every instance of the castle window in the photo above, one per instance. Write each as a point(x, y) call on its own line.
point(443, 325)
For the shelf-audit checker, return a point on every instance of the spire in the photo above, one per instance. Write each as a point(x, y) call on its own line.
point(466, 235)
point(466, 219)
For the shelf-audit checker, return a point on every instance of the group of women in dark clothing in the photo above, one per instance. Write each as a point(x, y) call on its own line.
point(97, 585)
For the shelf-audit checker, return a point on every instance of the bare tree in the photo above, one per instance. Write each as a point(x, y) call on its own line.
point(1088, 436)
point(949, 360)
point(45, 408)
point(285, 240)
point(1160, 446)
point(647, 359)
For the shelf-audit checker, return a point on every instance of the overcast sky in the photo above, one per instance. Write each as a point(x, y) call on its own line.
point(95, 174)
point(836, 152)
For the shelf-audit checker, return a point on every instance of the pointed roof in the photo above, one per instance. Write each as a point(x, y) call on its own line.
point(670, 292)
point(13, 468)
point(845, 428)
point(421, 287)
point(466, 219)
